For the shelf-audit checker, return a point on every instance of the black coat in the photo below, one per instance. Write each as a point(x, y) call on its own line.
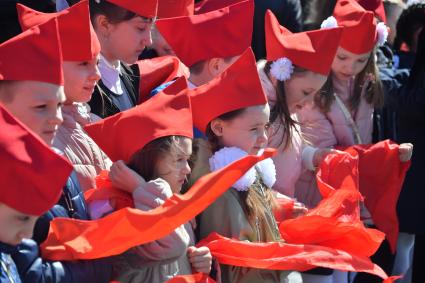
point(33, 269)
point(101, 102)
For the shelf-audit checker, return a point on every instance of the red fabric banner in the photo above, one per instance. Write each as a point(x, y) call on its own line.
point(192, 278)
point(71, 239)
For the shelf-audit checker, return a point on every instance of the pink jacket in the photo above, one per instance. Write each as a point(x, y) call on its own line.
point(86, 156)
point(331, 129)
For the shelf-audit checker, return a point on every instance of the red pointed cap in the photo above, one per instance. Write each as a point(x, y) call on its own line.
point(33, 175)
point(175, 8)
point(359, 35)
point(144, 8)
point(212, 5)
point(221, 33)
point(311, 50)
point(78, 39)
point(375, 6)
point(166, 114)
point(34, 55)
point(237, 87)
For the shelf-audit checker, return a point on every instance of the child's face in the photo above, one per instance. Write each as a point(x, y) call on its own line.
point(37, 105)
point(347, 65)
point(173, 167)
point(80, 79)
point(248, 131)
point(15, 225)
point(126, 40)
point(300, 89)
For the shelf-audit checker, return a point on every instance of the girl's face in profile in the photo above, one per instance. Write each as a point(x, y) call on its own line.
point(173, 166)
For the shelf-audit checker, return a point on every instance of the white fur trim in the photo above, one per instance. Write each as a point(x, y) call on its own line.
point(307, 156)
point(282, 69)
point(382, 32)
point(330, 22)
point(227, 155)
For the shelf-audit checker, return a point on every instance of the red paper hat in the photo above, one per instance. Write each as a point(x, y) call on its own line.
point(144, 8)
point(212, 5)
point(32, 174)
point(311, 50)
point(218, 34)
point(166, 114)
point(376, 6)
point(237, 87)
point(359, 35)
point(78, 39)
point(175, 8)
point(34, 55)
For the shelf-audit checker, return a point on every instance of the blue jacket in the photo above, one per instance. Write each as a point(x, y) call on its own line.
point(33, 269)
point(8, 271)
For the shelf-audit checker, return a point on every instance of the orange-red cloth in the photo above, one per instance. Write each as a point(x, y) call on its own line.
point(157, 71)
point(147, 9)
point(71, 239)
point(192, 278)
point(282, 256)
point(284, 209)
point(381, 179)
point(335, 222)
point(175, 8)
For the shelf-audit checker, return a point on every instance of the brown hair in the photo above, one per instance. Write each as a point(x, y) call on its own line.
point(144, 161)
point(374, 93)
point(252, 200)
point(115, 14)
point(280, 111)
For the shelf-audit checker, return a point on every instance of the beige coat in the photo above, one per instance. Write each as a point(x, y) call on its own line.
point(227, 217)
point(86, 156)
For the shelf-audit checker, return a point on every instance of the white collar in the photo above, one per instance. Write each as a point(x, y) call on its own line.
point(110, 75)
point(227, 155)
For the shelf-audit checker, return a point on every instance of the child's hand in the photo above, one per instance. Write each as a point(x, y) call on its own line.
point(321, 154)
point(299, 209)
point(405, 151)
point(200, 259)
point(124, 178)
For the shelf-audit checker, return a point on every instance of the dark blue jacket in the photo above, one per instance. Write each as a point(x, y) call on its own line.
point(33, 269)
point(8, 271)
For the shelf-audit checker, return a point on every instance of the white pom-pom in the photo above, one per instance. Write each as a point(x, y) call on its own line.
point(382, 32)
point(282, 69)
point(97, 1)
point(330, 22)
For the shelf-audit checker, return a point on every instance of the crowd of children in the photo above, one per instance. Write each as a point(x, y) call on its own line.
point(90, 131)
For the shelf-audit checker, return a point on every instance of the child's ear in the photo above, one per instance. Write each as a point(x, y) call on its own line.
point(214, 66)
point(217, 127)
point(102, 25)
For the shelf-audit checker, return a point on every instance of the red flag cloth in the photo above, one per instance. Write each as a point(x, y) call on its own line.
point(71, 239)
point(381, 179)
point(192, 278)
point(282, 256)
point(157, 71)
point(284, 209)
point(335, 222)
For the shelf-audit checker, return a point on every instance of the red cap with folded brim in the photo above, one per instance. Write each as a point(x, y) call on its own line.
point(175, 8)
point(359, 35)
point(78, 39)
point(311, 50)
point(375, 6)
point(218, 34)
point(32, 174)
point(166, 114)
point(145, 8)
point(236, 88)
point(34, 55)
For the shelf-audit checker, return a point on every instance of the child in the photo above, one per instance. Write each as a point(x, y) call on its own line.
point(29, 187)
point(157, 147)
point(32, 90)
point(344, 110)
point(124, 29)
point(208, 43)
point(232, 111)
point(291, 87)
point(80, 77)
